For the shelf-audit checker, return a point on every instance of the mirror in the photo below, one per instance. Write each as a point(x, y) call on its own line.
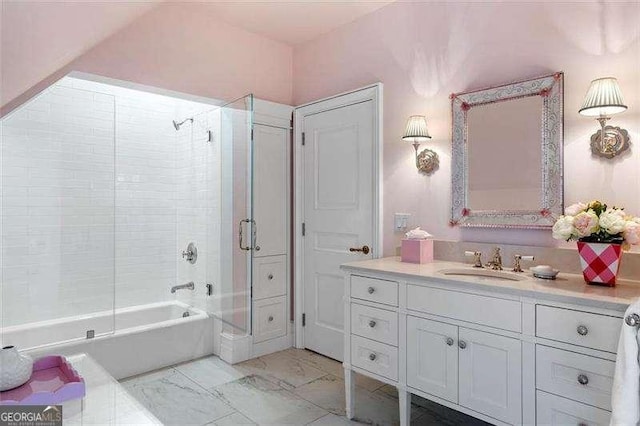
point(507, 155)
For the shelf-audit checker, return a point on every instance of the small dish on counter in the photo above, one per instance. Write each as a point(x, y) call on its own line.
point(544, 272)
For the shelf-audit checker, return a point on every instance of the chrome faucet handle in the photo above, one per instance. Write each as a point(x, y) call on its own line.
point(496, 260)
point(477, 258)
point(517, 259)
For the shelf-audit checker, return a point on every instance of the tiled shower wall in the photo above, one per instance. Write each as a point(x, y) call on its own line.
point(76, 191)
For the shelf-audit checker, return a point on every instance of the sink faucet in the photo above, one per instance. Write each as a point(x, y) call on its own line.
point(496, 261)
point(477, 258)
point(190, 285)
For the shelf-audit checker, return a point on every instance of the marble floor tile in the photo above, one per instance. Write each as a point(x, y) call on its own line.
point(232, 419)
point(331, 366)
point(210, 372)
point(333, 420)
point(175, 399)
point(328, 393)
point(285, 370)
point(266, 403)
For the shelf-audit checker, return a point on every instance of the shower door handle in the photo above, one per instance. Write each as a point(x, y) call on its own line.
point(252, 224)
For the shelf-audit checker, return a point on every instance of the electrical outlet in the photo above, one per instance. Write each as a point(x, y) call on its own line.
point(401, 221)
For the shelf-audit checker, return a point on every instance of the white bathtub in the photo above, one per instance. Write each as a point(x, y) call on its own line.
point(134, 340)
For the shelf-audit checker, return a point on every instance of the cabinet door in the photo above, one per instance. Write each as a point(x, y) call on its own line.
point(490, 375)
point(432, 357)
point(271, 189)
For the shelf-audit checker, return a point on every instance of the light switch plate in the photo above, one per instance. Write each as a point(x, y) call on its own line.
point(401, 221)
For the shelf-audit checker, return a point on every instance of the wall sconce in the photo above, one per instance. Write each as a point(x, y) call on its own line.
point(416, 131)
point(604, 99)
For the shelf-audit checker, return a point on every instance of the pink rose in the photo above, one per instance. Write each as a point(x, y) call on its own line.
point(574, 209)
point(586, 223)
point(632, 232)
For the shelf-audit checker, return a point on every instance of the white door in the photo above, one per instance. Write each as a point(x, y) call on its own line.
point(432, 357)
point(490, 374)
point(338, 214)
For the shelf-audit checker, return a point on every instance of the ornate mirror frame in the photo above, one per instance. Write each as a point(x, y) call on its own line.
point(550, 88)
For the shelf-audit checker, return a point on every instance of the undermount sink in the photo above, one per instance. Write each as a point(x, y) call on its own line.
point(483, 273)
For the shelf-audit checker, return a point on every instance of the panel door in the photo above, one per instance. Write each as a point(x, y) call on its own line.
point(432, 357)
point(338, 215)
point(271, 189)
point(490, 374)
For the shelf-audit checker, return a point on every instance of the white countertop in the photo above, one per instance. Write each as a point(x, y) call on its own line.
point(569, 288)
point(106, 401)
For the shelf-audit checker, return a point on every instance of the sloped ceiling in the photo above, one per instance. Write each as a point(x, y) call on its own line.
point(39, 38)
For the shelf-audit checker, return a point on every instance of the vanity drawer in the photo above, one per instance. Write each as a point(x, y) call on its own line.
point(375, 357)
point(375, 290)
point(270, 276)
point(561, 372)
point(269, 318)
point(490, 311)
point(553, 410)
point(578, 328)
point(374, 323)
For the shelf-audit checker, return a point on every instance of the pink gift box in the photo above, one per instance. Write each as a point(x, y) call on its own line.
point(416, 251)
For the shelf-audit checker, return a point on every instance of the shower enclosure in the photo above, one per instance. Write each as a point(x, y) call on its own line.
point(103, 189)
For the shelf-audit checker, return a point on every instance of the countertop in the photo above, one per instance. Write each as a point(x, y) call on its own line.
point(568, 288)
point(106, 401)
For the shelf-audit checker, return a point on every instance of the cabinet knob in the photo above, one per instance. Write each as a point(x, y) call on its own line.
point(372, 323)
point(371, 290)
point(270, 318)
point(270, 276)
point(462, 344)
point(582, 330)
point(372, 357)
point(449, 341)
point(583, 379)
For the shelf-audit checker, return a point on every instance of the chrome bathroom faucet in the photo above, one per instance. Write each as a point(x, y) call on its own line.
point(190, 285)
point(496, 261)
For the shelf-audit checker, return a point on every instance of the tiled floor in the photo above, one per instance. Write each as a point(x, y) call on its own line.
point(292, 387)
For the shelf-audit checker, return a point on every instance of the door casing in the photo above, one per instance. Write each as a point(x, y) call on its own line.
point(369, 93)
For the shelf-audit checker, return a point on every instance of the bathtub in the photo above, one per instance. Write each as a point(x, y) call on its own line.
point(134, 340)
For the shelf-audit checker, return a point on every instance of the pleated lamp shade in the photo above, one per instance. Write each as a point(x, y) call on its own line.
point(603, 98)
point(416, 130)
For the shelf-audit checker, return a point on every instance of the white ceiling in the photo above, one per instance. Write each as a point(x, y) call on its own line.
point(294, 21)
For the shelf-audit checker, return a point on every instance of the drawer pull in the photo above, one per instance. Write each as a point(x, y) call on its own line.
point(462, 344)
point(583, 379)
point(372, 356)
point(371, 290)
point(449, 341)
point(582, 330)
point(372, 323)
point(270, 318)
point(270, 276)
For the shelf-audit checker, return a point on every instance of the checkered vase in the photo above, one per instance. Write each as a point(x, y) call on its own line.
point(600, 262)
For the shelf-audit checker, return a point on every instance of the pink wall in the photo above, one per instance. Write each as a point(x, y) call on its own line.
point(176, 46)
point(422, 52)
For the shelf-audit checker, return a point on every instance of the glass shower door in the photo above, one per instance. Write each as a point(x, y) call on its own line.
point(231, 301)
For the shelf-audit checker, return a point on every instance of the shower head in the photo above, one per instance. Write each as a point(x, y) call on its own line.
point(177, 125)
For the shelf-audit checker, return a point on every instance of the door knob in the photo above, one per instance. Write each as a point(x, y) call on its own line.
point(372, 357)
point(583, 379)
point(582, 330)
point(363, 249)
point(449, 341)
point(462, 344)
point(372, 323)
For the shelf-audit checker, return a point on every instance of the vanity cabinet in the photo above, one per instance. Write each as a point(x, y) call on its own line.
point(525, 353)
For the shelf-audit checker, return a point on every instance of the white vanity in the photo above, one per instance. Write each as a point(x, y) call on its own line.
point(510, 350)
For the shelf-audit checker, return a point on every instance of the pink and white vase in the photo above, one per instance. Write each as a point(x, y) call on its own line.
point(600, 262)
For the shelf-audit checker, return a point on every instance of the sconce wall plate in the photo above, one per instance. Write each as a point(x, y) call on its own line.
point(616, 141)
point(427, 161)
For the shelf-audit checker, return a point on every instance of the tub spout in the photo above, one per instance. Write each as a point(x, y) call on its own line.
point(190, 285)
